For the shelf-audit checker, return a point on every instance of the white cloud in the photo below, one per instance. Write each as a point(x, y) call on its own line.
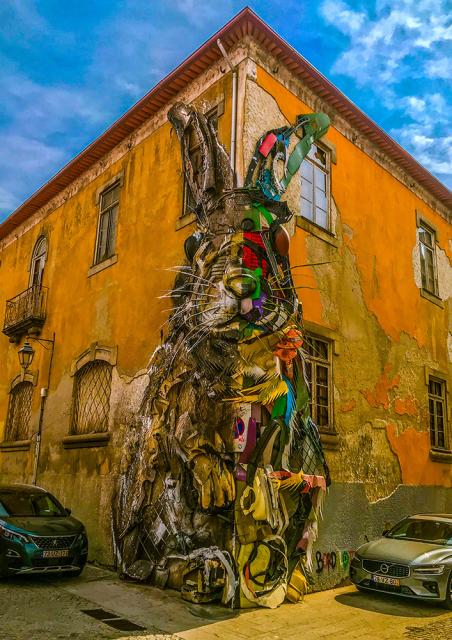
point(399, 45)
point(340, 14)
point(385, 45)
point(8, 201)
point(425, 133)
point(439, 67)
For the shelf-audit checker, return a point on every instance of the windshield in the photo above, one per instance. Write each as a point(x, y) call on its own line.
point(433, 531)
point(29, 504)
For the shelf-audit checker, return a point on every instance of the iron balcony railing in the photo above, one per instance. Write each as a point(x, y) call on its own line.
point(25, 311)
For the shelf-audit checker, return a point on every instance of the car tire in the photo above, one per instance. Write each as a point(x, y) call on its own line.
point(447, 603)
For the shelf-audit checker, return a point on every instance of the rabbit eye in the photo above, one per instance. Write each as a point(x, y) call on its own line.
point(281, 240)
point(192, 244)
point(248, 224)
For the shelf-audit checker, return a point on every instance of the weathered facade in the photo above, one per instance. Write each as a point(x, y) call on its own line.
point(91, 253)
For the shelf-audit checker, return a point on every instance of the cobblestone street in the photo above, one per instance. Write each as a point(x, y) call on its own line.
point(98, 605)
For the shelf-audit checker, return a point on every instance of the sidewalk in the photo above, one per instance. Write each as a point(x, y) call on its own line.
point(334, 615)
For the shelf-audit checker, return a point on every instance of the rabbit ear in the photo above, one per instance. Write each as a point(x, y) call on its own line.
point(207, 170)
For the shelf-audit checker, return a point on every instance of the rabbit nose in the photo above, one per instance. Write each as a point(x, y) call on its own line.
point(240, 283)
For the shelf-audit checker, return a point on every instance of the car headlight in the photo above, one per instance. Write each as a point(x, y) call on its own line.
point(81, 538)
point(429, 570)
point(356, 560)
point(14, 536)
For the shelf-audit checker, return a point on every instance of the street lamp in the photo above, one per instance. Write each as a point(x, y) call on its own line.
point(26, 355)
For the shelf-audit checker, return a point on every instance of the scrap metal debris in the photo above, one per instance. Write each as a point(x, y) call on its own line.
point(224, 478)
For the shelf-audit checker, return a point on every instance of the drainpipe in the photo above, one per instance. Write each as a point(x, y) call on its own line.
point(234, 107)
point(44, 392)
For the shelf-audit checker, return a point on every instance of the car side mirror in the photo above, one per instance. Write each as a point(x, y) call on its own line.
point(68, 511)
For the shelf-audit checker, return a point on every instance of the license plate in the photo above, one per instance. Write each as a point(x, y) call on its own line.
point(57, 553)
point(395, 582)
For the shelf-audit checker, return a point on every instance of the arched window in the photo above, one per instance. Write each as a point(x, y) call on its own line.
point(38, 261)
point(91, 398)
point(19, 412)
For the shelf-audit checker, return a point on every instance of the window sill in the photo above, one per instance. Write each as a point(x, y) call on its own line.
point(185, 220)
point(15, 445)
point(85, 440)
point(432, 298)
point(441, 455)
point(329, 440)
point(317, 231)
point(102, 265)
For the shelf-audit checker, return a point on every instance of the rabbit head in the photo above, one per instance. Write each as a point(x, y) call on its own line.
point(236, 284)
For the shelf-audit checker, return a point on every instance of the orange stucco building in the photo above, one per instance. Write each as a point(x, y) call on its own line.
point(84, 263)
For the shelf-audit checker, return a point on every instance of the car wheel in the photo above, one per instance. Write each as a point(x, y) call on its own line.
point(448, 601)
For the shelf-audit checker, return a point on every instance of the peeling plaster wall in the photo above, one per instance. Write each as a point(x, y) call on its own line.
point(366, 298)
point(117, 307)
point(386, 335)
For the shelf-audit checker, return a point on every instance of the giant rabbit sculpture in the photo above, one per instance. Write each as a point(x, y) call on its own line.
point(224, 472)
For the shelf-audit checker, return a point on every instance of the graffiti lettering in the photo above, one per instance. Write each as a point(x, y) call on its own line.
point(329, 560)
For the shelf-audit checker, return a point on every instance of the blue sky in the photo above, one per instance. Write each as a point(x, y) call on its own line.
point(69, 69)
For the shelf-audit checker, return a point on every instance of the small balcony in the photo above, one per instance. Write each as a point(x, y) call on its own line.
point(25, 313)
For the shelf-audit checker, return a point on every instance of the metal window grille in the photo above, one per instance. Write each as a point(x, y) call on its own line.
point(315, 187)
point(429, 276)
point(318, 368)
point(194, 152)
point(108, 216)
point(91, 398)
point(437, 412)
point(19, 412)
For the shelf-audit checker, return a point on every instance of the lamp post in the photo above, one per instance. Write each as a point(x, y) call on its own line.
point(26, 355)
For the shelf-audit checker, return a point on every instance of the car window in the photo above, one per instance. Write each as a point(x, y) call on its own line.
point(433, 531)
point(29, 505)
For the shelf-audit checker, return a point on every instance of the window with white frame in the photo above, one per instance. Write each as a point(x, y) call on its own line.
point(91, 398)
point(437, 412)
point(108, 218)
point(19, 412)
point(427, 244)
point(315, 186)
point(319, 372)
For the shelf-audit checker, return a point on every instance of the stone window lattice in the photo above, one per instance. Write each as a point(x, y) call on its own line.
point(437, 412)
point(427, 243)
point(19, 412)
point(319, 372)
point(91, 398)
point(315, 186)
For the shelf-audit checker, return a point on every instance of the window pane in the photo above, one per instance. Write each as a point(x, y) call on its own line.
point(320, 199)
point(426, 237)
point(306, 209)
point(111, 239)
point(307, 171)
point(322, 417)
point(320, 156)
point(103, 237)
point(322, 375)
point(307, 190)
point(312, 152)
point(320, 179)
point(321, 218)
